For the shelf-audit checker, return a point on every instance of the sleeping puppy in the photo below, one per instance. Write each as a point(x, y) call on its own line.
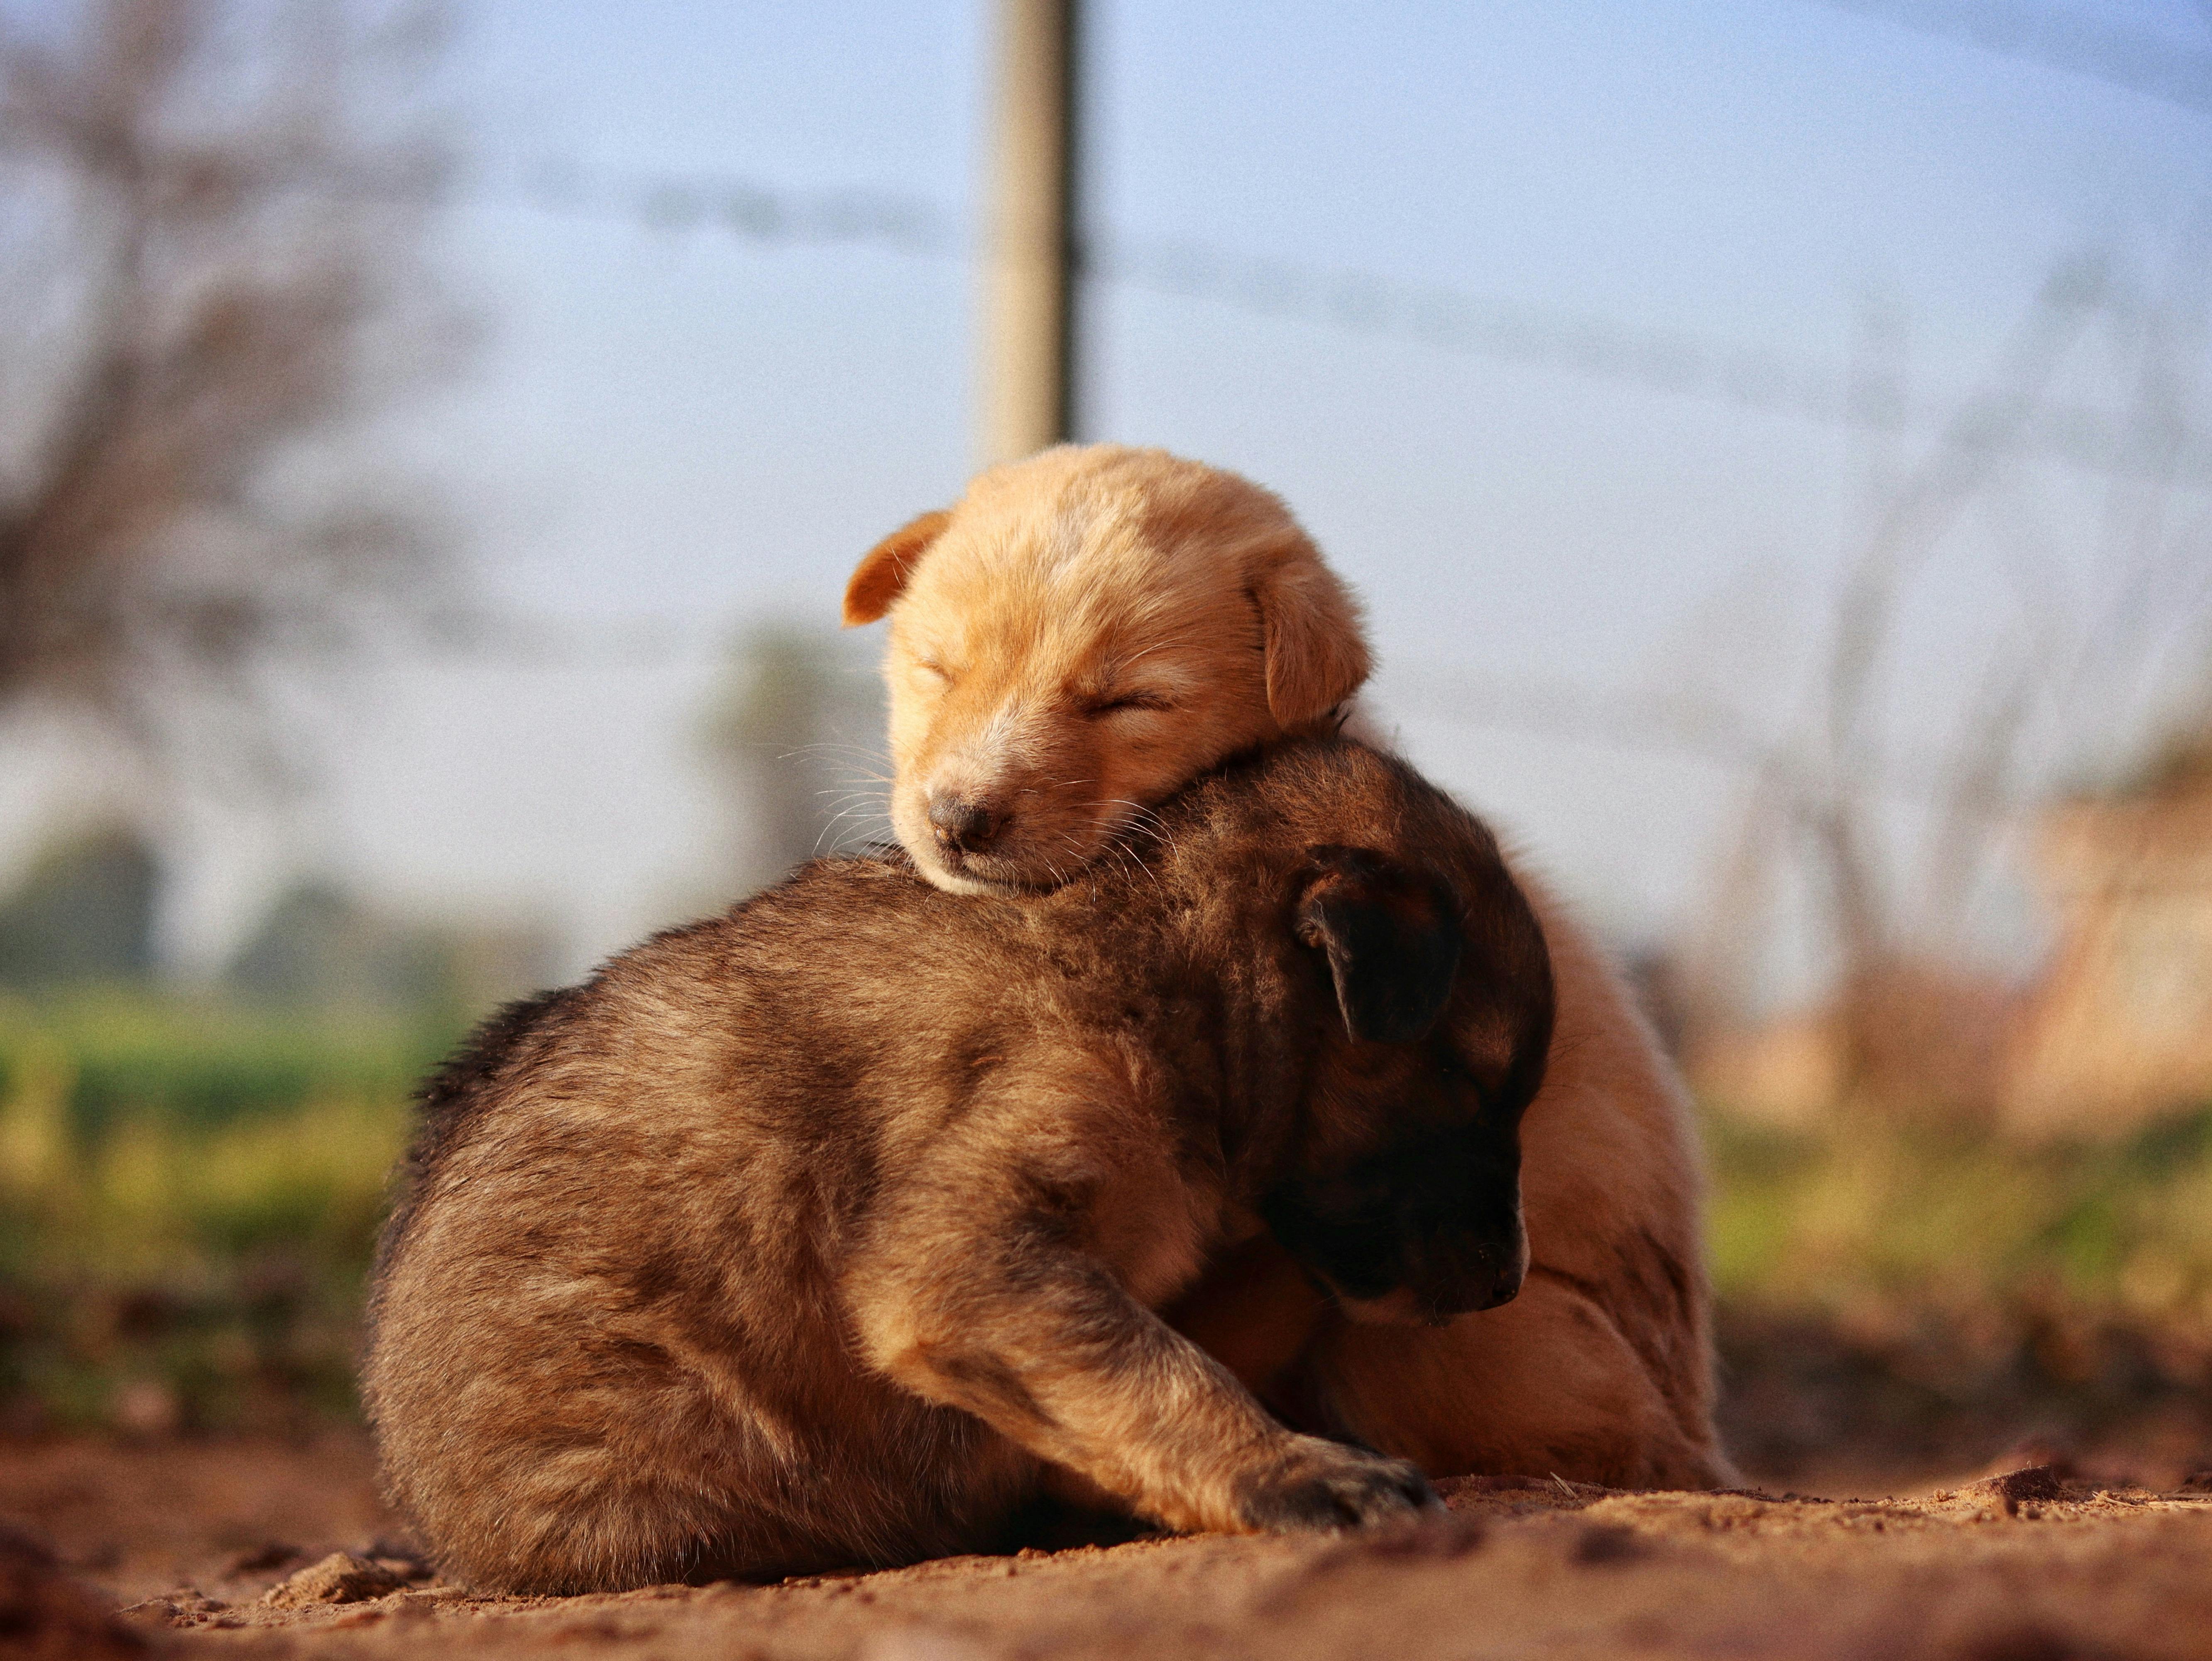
point(1082, 633)
point(829, 1231)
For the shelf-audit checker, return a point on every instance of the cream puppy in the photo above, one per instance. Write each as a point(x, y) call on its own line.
point(1079, 635)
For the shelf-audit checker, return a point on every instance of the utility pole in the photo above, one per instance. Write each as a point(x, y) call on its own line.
point(1029, 295)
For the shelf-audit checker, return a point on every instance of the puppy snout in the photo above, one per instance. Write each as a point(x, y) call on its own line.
point(963, 824)
point(1502, 1286)
point(1492, 1277)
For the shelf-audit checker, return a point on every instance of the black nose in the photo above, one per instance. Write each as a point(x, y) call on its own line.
point(1483, 1285)
point(961, 823)
point(1504, 1287)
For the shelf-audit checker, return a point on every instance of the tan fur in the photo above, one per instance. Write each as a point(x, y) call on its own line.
point(1064, 576)
point(1082, 633)
point(831, 1230)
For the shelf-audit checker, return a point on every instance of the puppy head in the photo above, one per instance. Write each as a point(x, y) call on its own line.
point(1407, 1203)
point(1082, 633)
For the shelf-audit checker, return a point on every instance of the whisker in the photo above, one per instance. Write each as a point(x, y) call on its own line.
point(872, 751)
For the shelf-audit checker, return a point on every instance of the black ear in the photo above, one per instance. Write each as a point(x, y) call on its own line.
point(1393, 939)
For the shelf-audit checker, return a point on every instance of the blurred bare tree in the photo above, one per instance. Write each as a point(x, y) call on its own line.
point(2110, 603)
point(210, 261)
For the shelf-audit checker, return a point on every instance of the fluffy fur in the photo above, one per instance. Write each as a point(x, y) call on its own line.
point(1083, 633)
point(827, 1231)
point(1079, 635)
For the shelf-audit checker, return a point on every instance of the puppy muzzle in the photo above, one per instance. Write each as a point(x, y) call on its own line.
point(1492, 1279)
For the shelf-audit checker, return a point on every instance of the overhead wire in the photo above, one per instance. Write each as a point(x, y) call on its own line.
point(2059, 40)
point(1670, 361)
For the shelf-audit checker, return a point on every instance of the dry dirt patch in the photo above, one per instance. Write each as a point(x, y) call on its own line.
point(2033, 1565)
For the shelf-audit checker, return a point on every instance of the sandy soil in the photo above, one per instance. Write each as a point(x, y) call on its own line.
point(225, 1549)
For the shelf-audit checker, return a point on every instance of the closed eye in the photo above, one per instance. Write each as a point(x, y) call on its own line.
point(1116, 703)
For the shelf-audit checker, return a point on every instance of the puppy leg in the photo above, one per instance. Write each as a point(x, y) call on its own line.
point(1255, 1311)
point(1000, 1292)
point(1545, 1385)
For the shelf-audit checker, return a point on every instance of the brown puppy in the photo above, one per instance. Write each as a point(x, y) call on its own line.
point(821, 1232)
point(1081, 634)
point(1602, 1370)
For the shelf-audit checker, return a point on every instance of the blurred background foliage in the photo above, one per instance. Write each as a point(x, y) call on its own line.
point(189, 1190)
point(1870, 1213)
point(1923, 1298)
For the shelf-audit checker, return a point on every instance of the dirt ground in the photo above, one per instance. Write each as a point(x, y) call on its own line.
point(225, 1547)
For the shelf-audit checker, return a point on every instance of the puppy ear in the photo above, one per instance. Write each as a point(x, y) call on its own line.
point(1393, 939)
point(881, 576)
point(1316, 649)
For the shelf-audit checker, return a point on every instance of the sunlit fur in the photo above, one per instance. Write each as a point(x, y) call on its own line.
point(1083, 632)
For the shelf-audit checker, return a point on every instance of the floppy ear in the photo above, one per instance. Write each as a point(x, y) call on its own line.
point(1393, 939)
point(1316, 649)
point(881, 574)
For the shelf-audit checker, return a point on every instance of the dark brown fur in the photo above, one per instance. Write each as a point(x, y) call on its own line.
point(833, 1229)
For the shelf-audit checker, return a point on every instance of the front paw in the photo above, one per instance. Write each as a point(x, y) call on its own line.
point(1317, 1484)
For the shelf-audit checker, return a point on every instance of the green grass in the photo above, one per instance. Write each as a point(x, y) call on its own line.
point(1870, 1211)
point(1928, 1299)
point(116, 1055)
point(188, 1196)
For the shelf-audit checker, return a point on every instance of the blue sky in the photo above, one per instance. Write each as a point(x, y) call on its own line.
point(691, 426)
